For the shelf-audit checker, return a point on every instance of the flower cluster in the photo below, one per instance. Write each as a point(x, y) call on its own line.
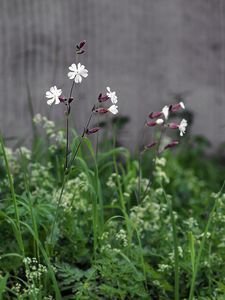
point(76, 73)
point(103, 98)
point(161, 118)
point(103, 110)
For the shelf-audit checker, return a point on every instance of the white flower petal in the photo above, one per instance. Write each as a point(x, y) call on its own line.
point(73, 68)
point(78, 79)
point(50, 101)
point(57, 101)
point(113, 109)
point(71, 75)
point(159, 121)
point(182, 105)
point(165, 111)
point(84, 73)
point(48, 94)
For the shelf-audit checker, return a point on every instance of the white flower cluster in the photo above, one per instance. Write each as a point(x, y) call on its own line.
point(49, 127)
point(159, 173)
point(73, 198)
point(121, 237)
point(34, 270)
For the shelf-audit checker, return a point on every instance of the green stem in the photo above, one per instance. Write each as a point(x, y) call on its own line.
point(13, 194)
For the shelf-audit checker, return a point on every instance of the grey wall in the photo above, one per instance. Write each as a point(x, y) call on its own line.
point(146, 50)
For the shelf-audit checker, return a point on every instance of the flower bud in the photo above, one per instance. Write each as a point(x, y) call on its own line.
point(173, 125)
point(70, 100)
point(154, 115)
point(62, 99)
point(102, 98)
point(92, 130)
point(151, 124)
point(171, 145)
point(177, 106)
point(82, 43)
point(101, 110)
point(151, 145)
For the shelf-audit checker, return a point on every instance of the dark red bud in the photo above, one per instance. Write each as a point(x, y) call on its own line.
point(92, 130)
point(81, 45)
point(156, 114)
point(171, 145)
point(101, 110)
point(173, 125)
point(70, 100)
point(151, 145)
point(151, 124)
point(103, 98)
point(177, 106)
point(62, 99)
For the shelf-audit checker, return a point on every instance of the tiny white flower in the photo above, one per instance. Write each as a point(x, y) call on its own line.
point(182, 105)
point(113, 109)
point(77, 72)
point(182, 127)
point(159, 121)
point(53, 95)
point(165, 111)
point(112, 96)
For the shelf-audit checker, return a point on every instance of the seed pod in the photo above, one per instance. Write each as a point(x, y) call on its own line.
point(151, 145)
point(154, 115)
point(92, 130)
point(101, 110)
point(171, 145)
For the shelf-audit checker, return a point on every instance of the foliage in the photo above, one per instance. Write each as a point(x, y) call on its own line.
point(109, 243)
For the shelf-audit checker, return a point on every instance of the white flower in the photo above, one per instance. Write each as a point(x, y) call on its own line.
point(53, 95)
point(182, 127)
point(165, 111)
point(113, 109)
point(112, 96)
point(182, 105)
point(77, 72)
point(159, 121)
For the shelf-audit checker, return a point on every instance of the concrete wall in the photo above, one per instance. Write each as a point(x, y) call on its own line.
point(146, 50)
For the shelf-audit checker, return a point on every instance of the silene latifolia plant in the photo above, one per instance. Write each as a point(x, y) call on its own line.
point(78, 72)
point(162, 121)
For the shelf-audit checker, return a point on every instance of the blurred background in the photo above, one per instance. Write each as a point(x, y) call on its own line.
point(152, 53)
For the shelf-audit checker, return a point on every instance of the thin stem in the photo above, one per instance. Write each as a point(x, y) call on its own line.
point(67, 127)
point(157, 153)
point(67, 140)
point(66, 174)
point(175, 247)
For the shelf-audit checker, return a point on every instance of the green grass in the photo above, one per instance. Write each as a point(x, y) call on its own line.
point(100, 238)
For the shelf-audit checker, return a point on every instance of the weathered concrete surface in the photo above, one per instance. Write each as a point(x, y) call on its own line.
point(146, 50)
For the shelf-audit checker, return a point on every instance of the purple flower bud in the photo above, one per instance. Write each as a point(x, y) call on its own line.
point(176, 106)
point(103, 98)
point(82, 43)
point(92, 130)
point(171, 145)
point(62, 99)
point(70, 100)
point(101, 110)
point(173, 125)
point(151, 145)
point(154, 115)
point(151, 124)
